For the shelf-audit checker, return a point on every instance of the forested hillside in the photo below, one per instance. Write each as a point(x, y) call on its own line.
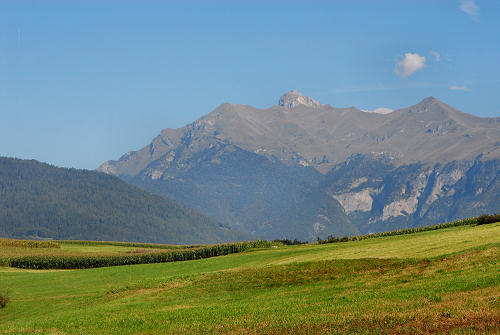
point(42, 201)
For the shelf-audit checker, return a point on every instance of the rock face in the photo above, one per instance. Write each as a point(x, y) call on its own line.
point(391, 197)
point(302, 169)
point(294, 98)
point(381, 110)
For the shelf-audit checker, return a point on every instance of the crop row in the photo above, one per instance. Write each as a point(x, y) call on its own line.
point(84, 262)
point(483, 219)
point(129, 244)
point(7, 242)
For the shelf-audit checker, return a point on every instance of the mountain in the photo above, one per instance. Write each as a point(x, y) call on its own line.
point(379, 196)
point(275, 172)
point(254, 194)
point(38, 200)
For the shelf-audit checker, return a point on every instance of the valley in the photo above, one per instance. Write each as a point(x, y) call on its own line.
point(249, 167)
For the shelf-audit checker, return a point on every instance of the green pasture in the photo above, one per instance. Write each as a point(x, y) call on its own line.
point(442, 281)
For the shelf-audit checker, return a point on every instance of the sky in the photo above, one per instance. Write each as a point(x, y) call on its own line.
point(82, 82)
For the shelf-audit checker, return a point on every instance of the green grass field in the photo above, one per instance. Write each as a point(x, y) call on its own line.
point(442, 281)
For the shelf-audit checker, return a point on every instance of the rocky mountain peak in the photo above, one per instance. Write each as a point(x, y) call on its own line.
point(429, 101)
point(294, 98)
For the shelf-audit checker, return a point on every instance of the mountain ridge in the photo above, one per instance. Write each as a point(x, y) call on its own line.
point(298, 135)
point(278, 130)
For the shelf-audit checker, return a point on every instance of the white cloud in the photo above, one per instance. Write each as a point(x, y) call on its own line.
point(470, 8)
point(458, 88)
point(436, 55)
point(410, 64)
point(380, 110)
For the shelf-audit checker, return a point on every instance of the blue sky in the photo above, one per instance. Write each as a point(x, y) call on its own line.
point(82, 82)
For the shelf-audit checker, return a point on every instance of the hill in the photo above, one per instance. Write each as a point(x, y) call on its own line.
point(302, 169)
point(42, 201)
point(440, 281)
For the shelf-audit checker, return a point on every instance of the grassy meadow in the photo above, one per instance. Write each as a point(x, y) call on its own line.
point(440, 281)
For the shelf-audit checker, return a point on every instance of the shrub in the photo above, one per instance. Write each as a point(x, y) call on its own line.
point(287, 241)
point(333, 239)
point(4, 299)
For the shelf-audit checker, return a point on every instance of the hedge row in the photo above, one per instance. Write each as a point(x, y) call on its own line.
point(486, 219)
point(84, 262)
point(287, 241)
point(464, 222)
point(28, 243)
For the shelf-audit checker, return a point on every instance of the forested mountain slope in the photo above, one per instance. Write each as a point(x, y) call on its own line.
point(42, 201)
